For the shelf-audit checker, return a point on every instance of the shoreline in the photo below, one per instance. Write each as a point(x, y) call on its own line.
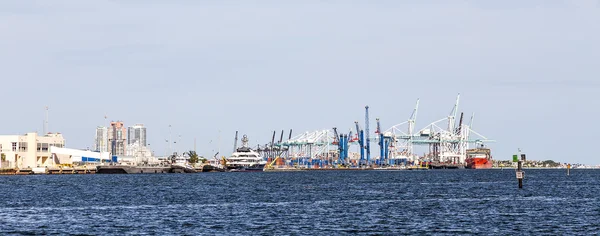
point(88, 171)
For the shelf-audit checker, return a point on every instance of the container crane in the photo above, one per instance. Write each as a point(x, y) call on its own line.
point(271, 151)
point(235, 142)
point(368, 141)
point(350, 136)
point(360, 141)
point(382, 146)
point(343, 145)
point(336, 138)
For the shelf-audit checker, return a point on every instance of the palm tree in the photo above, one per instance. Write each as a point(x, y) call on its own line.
point(193, 157)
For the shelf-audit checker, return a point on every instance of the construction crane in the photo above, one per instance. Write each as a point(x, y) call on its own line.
point(270, 165)
point(368, 141)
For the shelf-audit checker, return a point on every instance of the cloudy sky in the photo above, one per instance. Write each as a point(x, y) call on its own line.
point(529, 70)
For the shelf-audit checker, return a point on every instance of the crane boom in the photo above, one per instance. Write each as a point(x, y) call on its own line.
point(452, 120)
point(336, 138)
point(471, 124)
point(360, 134)
point(460, 123)
point(235, 142)
point(273, 139)
point(380, 141)
point(281, 138)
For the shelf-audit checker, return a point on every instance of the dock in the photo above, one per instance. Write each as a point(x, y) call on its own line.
point(126, 169)
point(69, 170)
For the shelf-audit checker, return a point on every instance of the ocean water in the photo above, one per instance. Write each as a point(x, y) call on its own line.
point(304, 203)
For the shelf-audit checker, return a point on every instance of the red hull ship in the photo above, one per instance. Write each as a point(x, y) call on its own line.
point(479, 158)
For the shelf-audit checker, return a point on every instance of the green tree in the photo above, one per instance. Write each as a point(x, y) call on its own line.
point(550, 163)
point(3, 156)
point(193, 157)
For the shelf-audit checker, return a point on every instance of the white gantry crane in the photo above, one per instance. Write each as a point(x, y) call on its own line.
point(312, 145)
point(402, 136)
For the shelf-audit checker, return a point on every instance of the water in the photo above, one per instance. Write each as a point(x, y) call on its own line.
point(314, 203)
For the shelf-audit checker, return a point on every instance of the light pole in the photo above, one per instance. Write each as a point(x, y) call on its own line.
point(176, 147)
point(170, 140)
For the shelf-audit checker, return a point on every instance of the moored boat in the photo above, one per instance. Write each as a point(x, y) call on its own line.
point(244, 159)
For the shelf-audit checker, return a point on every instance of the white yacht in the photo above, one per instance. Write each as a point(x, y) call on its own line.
point(245, 159)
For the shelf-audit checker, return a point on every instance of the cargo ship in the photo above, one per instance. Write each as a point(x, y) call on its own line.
point(479, 158)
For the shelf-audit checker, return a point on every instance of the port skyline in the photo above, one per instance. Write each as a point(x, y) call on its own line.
point(526, 83)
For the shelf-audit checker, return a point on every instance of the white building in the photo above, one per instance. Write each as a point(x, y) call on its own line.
point(136, 135)
point(135, 150)
point(29, 150)
point(101, 140)
point(68, 156)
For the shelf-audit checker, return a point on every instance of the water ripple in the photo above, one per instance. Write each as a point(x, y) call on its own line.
point(314, 203)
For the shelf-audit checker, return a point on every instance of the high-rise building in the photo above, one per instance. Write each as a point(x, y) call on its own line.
point(101, 141)
point(137, 135)
point(117, 138)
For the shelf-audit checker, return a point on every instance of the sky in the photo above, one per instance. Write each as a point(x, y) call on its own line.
point(529, 70)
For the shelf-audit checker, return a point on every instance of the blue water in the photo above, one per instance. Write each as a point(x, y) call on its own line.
point(313, 203)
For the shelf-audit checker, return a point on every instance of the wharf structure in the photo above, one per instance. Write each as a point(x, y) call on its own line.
point(446, 142)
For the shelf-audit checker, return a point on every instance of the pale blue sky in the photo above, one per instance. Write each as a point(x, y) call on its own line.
point(528, 69)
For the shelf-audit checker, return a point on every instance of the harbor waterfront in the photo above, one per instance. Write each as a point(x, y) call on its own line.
point(448, 143)
point(178, 168)
point(301, 117)
point(315, 203)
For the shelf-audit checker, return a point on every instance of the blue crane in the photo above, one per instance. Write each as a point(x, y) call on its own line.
point(339, 140)
point(336, 137)
point(345, 149)
point(381, 143)
point(360, 142)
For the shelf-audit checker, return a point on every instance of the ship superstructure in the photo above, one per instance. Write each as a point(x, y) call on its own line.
point(245, 159)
